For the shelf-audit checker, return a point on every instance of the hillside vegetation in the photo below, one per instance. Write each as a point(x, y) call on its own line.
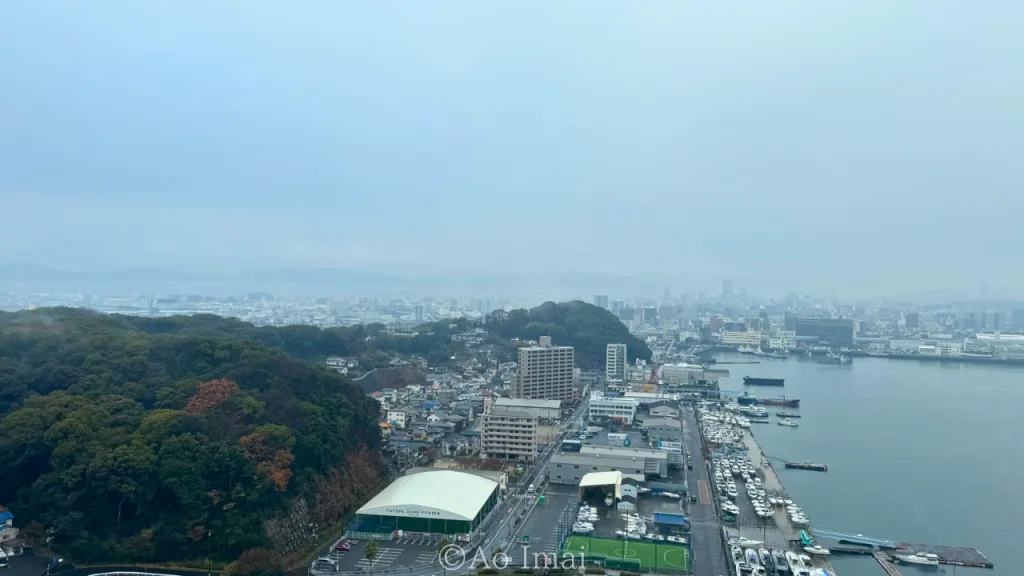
point(584, 326)
point(164, 440)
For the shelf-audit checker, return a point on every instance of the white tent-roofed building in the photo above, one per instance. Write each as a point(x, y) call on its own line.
point(441, 502)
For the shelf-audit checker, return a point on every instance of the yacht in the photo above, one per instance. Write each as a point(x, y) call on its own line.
point(766, 557)
point(788, 422)
point(743, 569)
point(751, 557)
point(779, 559)
point(794, 562)
point(817, 550)
point(748, 543)
point(919, 559)
point(806, 560)
point(737, 554)
point(731, 493)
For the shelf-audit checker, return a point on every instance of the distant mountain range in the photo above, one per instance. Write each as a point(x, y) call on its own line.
point(328, 281)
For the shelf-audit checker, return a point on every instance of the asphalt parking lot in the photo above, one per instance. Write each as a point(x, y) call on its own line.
point(402, 552)
point(543, 526)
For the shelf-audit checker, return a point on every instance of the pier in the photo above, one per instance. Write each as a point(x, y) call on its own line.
point(886, 563)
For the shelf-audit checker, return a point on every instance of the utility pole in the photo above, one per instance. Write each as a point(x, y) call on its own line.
point(49, 559)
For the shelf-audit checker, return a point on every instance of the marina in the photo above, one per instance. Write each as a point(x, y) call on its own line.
point(780, 525)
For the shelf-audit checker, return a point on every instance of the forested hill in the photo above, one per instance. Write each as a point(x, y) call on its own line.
point(140, 446)
point(584, 326)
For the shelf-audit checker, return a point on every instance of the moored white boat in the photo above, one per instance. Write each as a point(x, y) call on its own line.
point(779, 558)
point(919, 559)
point(817, 550)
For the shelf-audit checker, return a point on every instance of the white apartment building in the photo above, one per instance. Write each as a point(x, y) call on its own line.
point(750, 338)
point(615, 363)
point(508, 434)
point(398, 418)
point(546, 371)
point(610, 407)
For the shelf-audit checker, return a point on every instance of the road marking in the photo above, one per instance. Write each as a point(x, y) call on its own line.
point(702, 489)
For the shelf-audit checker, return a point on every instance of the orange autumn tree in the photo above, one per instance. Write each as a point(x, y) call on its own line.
point(345, 486)
point(269, 447)
point(210, 395)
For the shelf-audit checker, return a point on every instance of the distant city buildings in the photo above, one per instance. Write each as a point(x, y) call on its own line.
point(601, 300)
point(546, 371)
point(836, 332)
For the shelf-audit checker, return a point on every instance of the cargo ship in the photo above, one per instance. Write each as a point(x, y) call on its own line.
point(749, 381)
point(750, 400)
point(807, 466)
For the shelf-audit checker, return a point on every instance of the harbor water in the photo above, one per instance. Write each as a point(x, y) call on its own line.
point(916, 452)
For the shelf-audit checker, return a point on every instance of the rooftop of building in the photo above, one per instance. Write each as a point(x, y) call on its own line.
point(453, 495)
point(528, 403)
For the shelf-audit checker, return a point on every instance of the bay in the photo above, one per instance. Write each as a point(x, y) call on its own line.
point(917, 452)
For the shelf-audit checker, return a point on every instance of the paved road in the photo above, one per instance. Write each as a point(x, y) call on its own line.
point(706, 527)
point(507, 528)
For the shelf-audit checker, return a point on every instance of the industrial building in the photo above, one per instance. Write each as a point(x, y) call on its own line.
point(508, 434)
point(541, 409)
point(570, 467)
point(608, 407)
point(438, 503)
point(546, 371)
point(750, 338)
point(836, 332)
point(615, 363)
point(665, 429)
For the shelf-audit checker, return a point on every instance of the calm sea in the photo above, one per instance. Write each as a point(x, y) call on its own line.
point(917, 452)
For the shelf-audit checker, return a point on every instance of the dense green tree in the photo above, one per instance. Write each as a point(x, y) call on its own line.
point(588, 328)
point(134, 439)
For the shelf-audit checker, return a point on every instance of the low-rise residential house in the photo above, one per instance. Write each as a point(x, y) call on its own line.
point(398, 418)
point(10, 543)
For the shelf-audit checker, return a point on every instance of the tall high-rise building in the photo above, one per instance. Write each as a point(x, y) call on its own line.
point(419, 312)
point(913, 320)
point(727, 290)
point(546, 371)
point(615, 363)
point(601, 300)
point(617, 305)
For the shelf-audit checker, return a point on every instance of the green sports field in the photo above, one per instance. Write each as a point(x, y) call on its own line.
point(671, 556)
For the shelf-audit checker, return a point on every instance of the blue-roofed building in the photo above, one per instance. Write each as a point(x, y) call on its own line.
point(9, 541)
point(669, 523)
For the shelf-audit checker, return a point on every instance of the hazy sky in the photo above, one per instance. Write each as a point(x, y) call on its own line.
point(854, 147)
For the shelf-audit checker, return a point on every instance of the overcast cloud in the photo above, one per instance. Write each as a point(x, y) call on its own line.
point(858, 148)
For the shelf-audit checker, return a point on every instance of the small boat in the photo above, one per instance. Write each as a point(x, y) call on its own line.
point(806, 560)
point(788, 422)
point(737, 554)
point(788, 414)
point(751, 557)
point(766, 557)
point(743, 569)
point(779, 558)
point(817, 550)
point(748, 543)
point(919, 559)
point(794, 561)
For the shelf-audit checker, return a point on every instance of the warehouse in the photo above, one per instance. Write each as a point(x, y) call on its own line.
point(570, 467)
point(438, 502)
